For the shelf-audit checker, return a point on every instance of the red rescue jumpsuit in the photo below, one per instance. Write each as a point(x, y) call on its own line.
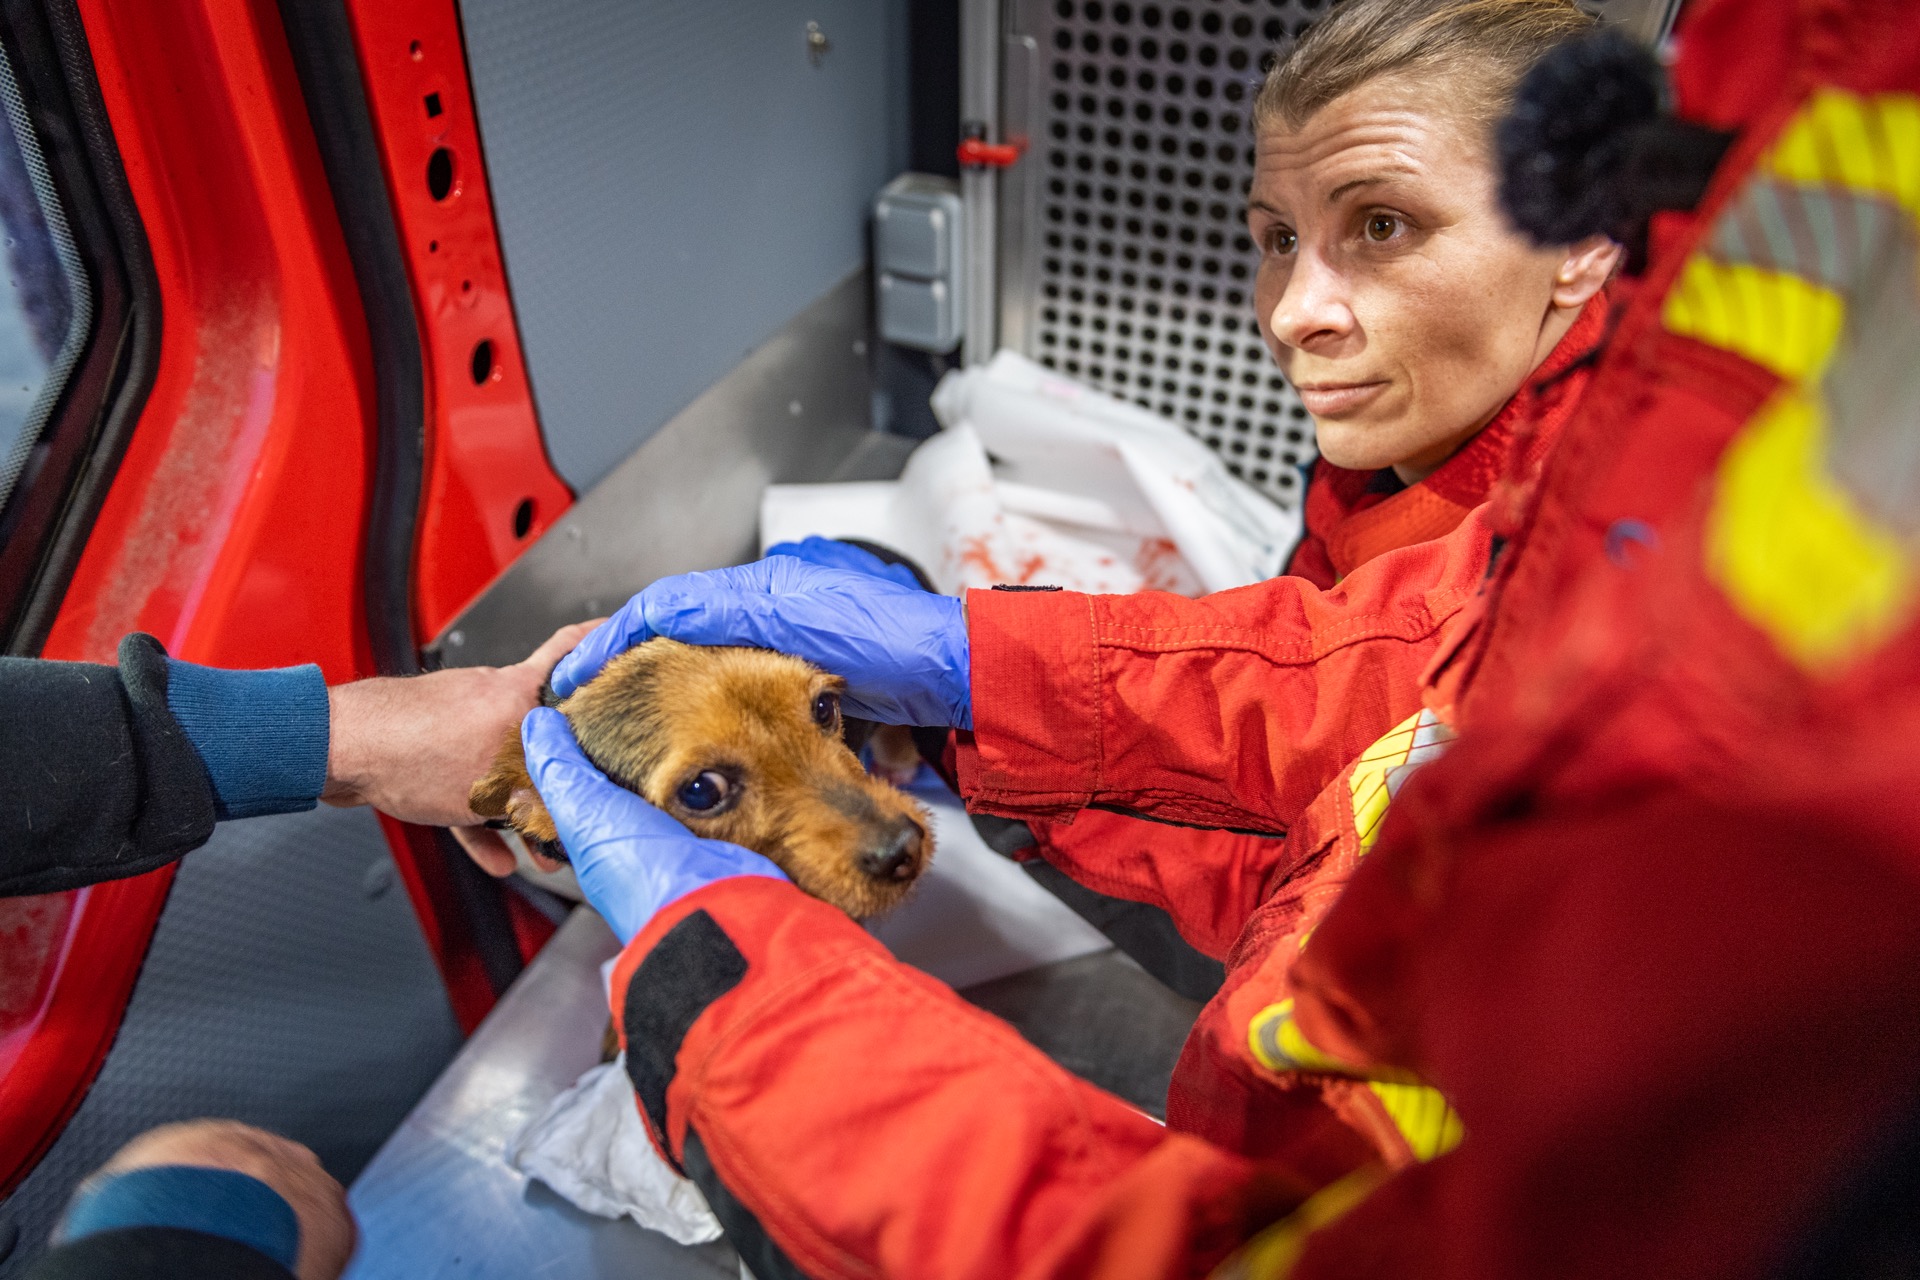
point(1248, 898)
point(1653, 925)
point(1210, 881)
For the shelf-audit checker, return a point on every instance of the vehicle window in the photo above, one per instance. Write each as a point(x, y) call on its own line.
point(45, 303)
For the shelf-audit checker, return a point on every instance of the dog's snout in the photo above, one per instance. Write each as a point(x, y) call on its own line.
point(896, 855)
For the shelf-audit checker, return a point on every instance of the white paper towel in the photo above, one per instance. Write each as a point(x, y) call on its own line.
point(1040, 479)
point(591, 1147)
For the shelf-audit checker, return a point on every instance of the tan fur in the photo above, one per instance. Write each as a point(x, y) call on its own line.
point(664, 712)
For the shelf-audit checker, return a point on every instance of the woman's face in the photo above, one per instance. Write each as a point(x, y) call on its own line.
point(1391, 290)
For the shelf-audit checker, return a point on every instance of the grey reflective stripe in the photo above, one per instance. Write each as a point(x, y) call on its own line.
point(1269, 1033)
point(1431, 738)
point(1827, 235)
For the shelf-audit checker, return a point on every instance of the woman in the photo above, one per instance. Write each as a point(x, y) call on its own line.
point(769, 1037)
point(1412, 320)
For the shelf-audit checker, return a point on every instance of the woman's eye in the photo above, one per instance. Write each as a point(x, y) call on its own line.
point(1381, 226)
point(826, 710)
point(704, 791)
point(1282, 240)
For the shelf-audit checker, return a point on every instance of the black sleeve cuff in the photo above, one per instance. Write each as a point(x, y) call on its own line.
point(155, 1253)
point(97, 779)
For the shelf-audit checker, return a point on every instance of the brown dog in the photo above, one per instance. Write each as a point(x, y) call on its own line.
point(742, 745)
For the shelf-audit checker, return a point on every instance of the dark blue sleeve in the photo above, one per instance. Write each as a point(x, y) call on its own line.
point(261, 734)
point(184, 1198)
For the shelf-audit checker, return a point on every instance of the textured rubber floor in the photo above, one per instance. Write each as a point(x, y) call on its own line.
point(287, 986)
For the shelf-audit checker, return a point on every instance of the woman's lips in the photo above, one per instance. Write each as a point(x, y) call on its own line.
point(1332, 399)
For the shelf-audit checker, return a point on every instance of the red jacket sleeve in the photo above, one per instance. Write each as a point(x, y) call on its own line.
point(848, 1116)
point(1209, 882)
point(1233, 710)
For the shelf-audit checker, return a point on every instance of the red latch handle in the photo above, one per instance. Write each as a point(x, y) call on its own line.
point(975, 153)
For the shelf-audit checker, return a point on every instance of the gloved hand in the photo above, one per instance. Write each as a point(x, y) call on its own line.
point(631, 859)
point(901, 650)
point(832, 553)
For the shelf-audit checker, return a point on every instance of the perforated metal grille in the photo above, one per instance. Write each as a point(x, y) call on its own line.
point(1135, 273)
point(1139, 269)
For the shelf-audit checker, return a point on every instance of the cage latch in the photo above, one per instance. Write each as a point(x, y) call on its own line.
point(975, 152)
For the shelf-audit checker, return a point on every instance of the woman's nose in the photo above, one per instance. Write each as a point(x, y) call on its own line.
point(1313, 313)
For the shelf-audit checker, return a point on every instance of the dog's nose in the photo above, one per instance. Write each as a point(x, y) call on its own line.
point(894, 856)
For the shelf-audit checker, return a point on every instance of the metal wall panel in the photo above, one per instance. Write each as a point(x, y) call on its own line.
point(794, 411)
point(674, 182)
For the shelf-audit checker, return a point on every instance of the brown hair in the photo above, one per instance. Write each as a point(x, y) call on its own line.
point(1485, 44)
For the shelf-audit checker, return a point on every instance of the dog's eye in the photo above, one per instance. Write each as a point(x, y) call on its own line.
point(704, 792)
point(826, 710)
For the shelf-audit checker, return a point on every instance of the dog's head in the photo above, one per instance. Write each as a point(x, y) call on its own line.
point(742, 745)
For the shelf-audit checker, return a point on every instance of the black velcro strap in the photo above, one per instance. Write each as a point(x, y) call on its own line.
point(749, 1239)
point(1022, 586)
point(1005, 836)
point(156, 1253)
point(692, 966)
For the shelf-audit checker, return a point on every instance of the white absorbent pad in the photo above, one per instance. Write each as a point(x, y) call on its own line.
point(591, 1147)
point(1041, 479)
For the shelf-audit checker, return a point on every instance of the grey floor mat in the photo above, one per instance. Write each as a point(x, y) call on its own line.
point(1100, 1016)
point(288, 986)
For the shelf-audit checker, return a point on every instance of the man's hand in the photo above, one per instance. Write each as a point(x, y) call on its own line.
point(413, 746)
point(319, 1202)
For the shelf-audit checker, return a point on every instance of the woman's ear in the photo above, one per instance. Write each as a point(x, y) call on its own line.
point(1585, 270)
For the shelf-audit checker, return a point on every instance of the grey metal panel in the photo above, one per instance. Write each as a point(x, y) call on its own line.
point(440, 1200)
point(980, 22)
point(794, 410)
point(287, 986)
point(674, 182)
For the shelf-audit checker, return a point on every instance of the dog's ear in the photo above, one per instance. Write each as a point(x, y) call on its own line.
point(490, 795)
point(507, 792)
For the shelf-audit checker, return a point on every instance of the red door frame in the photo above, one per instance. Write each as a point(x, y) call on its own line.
point(235, 527)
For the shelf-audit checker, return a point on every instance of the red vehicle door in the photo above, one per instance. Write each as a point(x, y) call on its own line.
point(285, 417)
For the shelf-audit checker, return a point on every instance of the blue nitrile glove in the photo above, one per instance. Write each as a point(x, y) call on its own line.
point(832, 553)
point(630, 858)
point(901, 650)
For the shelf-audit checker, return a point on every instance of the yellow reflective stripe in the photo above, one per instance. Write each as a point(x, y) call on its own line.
point(1421, 1114)
point(1843, 139)
point(1278, 1044)
point(1369, 780)
point(1793, 552)
point(1271, 1254)
point(1779, 321)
